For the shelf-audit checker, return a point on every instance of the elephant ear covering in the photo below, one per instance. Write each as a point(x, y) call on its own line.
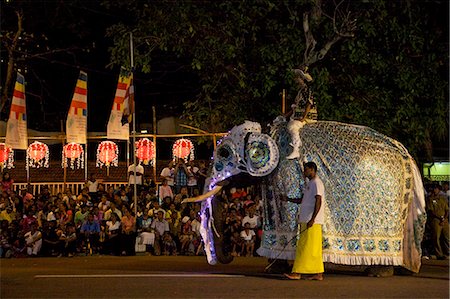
point(261, 154)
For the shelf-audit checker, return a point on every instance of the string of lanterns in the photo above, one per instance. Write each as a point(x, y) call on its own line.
point(37, 154)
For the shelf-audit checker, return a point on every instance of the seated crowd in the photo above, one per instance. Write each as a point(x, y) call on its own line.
point(104, 222)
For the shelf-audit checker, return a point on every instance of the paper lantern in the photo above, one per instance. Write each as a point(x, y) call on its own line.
point(145, 150)
point(6, 156)
point(107, 154)
point(183, 149)
point(37, 155)
point(73, 156)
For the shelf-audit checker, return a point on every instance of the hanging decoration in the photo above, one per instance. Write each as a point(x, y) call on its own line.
point(73, 156)
point(183, 149)
point(6, 156)
point(107, 154)
point(37, 155)
point(145, 151)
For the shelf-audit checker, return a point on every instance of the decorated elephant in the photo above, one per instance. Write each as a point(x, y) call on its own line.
point(374, 208)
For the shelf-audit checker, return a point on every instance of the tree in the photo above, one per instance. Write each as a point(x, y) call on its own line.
point(393, 75)
point(241, 52)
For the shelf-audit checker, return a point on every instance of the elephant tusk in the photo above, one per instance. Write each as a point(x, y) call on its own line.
point(203, 196)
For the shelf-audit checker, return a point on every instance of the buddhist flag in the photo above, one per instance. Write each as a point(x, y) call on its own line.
point(128, 110)
point(16, 128)
point(76, 124)
point(115, 129)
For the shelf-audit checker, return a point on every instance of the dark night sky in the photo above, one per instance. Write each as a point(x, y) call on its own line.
point(81, 29)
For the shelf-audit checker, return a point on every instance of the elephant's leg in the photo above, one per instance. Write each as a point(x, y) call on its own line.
point(221, 244)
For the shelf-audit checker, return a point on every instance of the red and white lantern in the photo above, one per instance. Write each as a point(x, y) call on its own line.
point(37, 155)
point(183, 149)
point(145, 151)
point(73, 156)
point(107, 154)
point(6, 156)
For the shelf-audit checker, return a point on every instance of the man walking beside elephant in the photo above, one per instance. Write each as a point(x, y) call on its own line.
point(308, 258)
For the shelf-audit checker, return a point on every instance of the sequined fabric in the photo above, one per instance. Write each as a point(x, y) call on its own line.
point(370, 187)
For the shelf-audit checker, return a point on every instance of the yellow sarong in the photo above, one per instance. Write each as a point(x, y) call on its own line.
point(308, 256)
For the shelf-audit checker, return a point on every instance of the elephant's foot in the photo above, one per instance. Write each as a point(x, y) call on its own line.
point(278, 267)
point(380, 271)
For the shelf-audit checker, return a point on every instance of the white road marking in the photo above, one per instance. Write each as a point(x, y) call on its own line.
point(181, 275)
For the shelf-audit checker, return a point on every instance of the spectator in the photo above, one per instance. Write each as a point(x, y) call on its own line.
point(28, 221)
point(156, 208)
point(113, 229)
point(33, 239)
point(170, 247)
point(91, 233)
point(27, 198)
point(50, 239)
point(180, 175)
point(68, 241)
point(8, 214)
point(437, 208)
point(7, 183)
point(104, 204)
point(251, 219)
point(167, 173)
point(159, 227)
point(128, 233)
point(248, 237)
point(136, 178)
point(112, 209)
point(65, 214)
point(80, 216)
point(186, 237)
point(165, 190)
point(166, 204)
point(145, 232)
point(92, 186)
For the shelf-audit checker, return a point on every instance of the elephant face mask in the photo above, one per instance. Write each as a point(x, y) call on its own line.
point(246, 150)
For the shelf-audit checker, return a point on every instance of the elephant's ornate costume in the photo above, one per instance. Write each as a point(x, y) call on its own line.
point(374, 209)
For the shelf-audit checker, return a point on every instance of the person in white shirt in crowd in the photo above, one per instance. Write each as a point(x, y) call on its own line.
point(159, 226)
point(251, 218)
point(92, 185)
point(167, 173)
point(33, 238)
point(248, 237)
point(138, 178)
point(112, 209)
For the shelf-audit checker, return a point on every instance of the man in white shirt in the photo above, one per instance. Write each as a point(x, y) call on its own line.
point(167, 173)
point(308, 258)
point(138, 176)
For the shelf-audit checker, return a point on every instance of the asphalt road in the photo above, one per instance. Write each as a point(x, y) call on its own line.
point(192, 277)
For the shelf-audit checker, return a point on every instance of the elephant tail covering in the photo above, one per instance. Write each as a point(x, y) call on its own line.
point(375, 208)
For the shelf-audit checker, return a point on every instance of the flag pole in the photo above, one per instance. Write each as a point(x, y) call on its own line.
point(134, 125)
point(86, 145)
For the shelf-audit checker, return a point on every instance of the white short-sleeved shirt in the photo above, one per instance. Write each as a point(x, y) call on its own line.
point(192, 179)
point(93, 186)
point(253, 221)
point(248, 237)
point(140, 169)
point(313, 187)
point(168, 174)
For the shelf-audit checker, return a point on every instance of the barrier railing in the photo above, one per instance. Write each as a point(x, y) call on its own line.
point(56, 187)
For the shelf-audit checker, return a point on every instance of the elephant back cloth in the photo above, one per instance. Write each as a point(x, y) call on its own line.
point(374, 209)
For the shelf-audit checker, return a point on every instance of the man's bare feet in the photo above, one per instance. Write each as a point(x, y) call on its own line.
point(318, 276)
point(293, 276)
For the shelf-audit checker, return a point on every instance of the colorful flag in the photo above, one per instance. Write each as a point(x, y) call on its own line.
point(16, 128)
point(76, 124)
point(115, 129)
point(128, 110)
